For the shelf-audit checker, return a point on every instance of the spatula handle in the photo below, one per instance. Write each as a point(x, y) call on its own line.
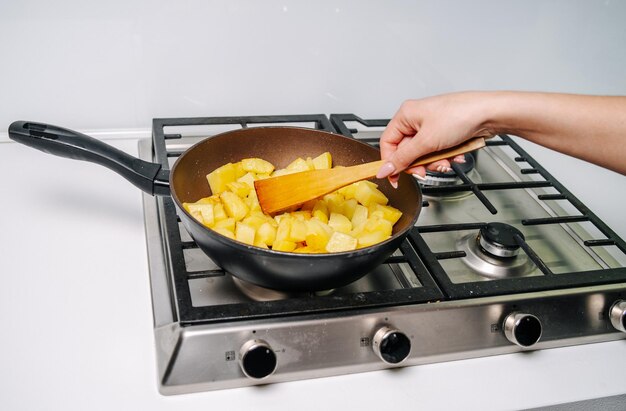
point(368, 170)
point(465, 147)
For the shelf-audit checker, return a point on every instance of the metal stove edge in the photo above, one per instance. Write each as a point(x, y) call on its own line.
point(209, 357)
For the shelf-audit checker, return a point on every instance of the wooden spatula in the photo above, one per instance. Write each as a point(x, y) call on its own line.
point(280, 193)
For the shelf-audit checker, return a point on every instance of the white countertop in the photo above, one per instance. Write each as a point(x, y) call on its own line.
point(77, 320)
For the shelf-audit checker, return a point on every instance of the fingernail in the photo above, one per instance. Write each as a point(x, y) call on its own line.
point(447, 169)
point(419, 177)
point(386, 170)
point(440, 169)
point(393, 183)
point(460, 159)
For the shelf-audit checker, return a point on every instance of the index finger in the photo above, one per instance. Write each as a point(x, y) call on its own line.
point(395, 132)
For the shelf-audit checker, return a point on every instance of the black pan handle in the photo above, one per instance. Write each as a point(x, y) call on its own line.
point(62, 142)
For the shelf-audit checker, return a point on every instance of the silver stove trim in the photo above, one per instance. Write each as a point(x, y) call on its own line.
point(206, 357)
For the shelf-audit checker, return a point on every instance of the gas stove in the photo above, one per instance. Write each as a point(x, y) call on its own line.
point(503, 259)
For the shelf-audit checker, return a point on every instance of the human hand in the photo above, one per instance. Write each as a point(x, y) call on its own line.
point(431, 124)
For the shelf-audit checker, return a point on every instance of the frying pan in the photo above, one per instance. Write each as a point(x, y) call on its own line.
point(186, 182)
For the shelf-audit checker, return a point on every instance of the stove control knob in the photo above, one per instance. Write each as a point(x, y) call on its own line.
point(522, 329)
point(618, 315)
point(392, 346)
point(258, 360)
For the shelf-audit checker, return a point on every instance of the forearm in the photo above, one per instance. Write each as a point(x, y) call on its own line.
point(592, 128)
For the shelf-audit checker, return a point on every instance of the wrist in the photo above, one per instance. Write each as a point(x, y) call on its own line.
point(512, 112)
point(493, 112)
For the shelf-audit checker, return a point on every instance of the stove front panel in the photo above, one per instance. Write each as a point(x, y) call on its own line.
point(209, 357)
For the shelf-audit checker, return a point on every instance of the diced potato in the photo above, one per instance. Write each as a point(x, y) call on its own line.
point(341, 242)
point(297, 165)
point(317, 234)
point(301, 215)
point(284, 245)
point(202, 212)
point(266, 233)
point(244, 233)
point(368, 183)
point(249, 179)
point(214, 199)
point(378, 224)
point(334, 202)
point(348, 208)
point(259, 213)
point(320, 215)
point(387, 212)
point(340, 223)
point(220, 177)
point(360, 215)
point(366, 194)
point(348, 191)
point(225, 232)
point(284, 226)
point(234, 205)
point(257, 165)
point(255, 220)
point(197, 215)
point(252, 201)
point(240, 188)
point(207, 214)
point(228, 224)
point(323, 161)
point(320, 211)
point(290, 229)
point(357, 229)
point(219, 212)
point(279, 217)
point(297, 231)
point(366, 239)
point(239, 171)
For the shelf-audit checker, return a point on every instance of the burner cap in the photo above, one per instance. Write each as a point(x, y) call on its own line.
point(498, 239)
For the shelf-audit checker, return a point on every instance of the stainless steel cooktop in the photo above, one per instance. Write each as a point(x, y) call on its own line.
point(503, 259)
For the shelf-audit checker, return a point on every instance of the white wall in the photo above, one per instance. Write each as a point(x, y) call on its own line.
point(118, 63)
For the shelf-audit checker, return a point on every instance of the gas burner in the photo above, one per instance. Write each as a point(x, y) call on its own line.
point(258, 293)
point(494, 252)
point(499, 239)
point(437, 179)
